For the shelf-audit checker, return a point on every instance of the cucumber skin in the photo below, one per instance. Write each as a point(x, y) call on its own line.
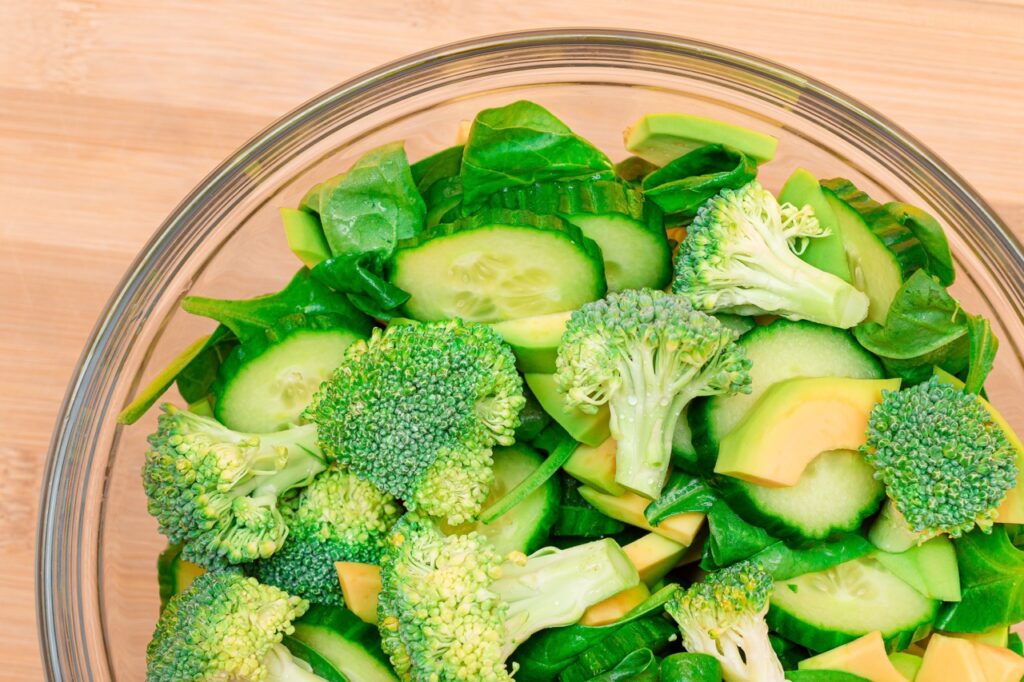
point(647, 633)
point(552, 498)
point(818, 640)
point(320, 665)
point(345, 625)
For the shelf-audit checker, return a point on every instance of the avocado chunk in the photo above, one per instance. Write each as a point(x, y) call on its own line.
point(825, 253)
point(654, 556)
point(997, 636)
point(534, 340)
point(949, 658)
point(796, 420)
point(629, 508)
point(589, 429)
point(864, 656)
point(999, 664)
point(906, 663)
point(930, 568)
point(360, 586)
point(595, 467)
point(614, 608)
point(660, 138)
point(305, 237)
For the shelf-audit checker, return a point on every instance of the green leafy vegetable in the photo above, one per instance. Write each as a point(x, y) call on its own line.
point(1015, 644)
point(578, 518)
point(520, 144)
point(991, 583)
point(639, 666)
point(730, 538)
point(790, 653)
point(929, 232)
point(683, 493)
point(983, 347)
point(681, 187)
point(691, 667)
point(196, 379)
point(784, 563)
point(439, 180)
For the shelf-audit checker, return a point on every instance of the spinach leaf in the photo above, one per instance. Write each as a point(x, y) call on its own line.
point(520, 144)
point(682, 186)
point(691, 667)
point(683, 493)
point(579, 518)
point(638, 666)
point(1015, 644)
point(983, 348)
point(730, 538)
point(438, 179)
point(356, 275)
point(991, 583)
point(784, 562)
point(931, 235)
point(196, 379)
point(443, 164)
point(790, 653)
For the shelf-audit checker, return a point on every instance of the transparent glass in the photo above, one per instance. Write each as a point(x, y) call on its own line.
point(97, 593)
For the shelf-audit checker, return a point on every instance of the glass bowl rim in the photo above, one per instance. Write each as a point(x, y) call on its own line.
point(1001, 241)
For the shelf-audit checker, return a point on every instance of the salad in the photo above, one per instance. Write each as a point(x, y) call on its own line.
point(525, 413)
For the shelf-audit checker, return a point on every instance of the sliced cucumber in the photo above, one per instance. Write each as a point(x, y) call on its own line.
point(349, 644)
point(264, 386)
point(318, 665)
point(498, 265)
point(836, 492)
point(305, 236)
point(628, 231)
point(829, 608)
point(534, 340)
point(778, 351)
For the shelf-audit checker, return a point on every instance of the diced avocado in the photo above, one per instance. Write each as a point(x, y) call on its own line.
point(174, 574)
point(614, 608)
point(908, 664)
point(589, 429)
point(595, 467)
point(661, 138)
point(997, 636)
point(890, 532)
point(795, 421)
point(534, 340)
point(864, 656)
point(360, 586)
point(947, 659)
point(931, 568)
point(654, 556)
point(1011, 509)
point(825, 253)
point(305, 236)
point(999, 664)
point(629, 508)
point(462, 132)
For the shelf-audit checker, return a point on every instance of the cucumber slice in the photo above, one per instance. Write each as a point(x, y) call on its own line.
point(264, 386)
point(829, 608)
point(347, 643)
point(319, 665)
point(534, 340)
point(305, 236)
point(779, 351)
point(628, 230)
point(875, 269)
point(498, 265)
point(684, 455)
point(836, 492)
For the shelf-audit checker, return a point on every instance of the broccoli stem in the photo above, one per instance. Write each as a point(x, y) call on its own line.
point(283, 667)
point(891, 533)
point(554, 587)
point(816, 295)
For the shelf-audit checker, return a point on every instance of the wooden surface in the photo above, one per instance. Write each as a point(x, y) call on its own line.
point(111, 110)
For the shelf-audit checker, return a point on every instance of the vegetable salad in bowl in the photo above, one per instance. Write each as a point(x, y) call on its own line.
point(525, 413)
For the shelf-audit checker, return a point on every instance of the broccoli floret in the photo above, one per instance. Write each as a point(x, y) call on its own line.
point(945, 463)
point(416, 409)
point(723, 616)
point(647, 354)
point(337, 517)
point(227, 627)
point(739, 256)
point(452, 609)
point(216, 491)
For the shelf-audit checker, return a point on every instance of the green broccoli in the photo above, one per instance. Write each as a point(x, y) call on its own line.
point(216, 491)
point(723, 616)
point(452, 609)
point(227, 627)
point(416, 409)
point(647, 354)
point(337, 517)
point(739, 256)
point(945, 463)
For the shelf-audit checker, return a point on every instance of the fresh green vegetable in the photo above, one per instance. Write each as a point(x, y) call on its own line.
point(825, 253)
point(520, 144)
point(992, 583)
point(416, 410)
point(790, 653)
point(647, 354)
point(161, 382)
point(531, 483)
point(305, 236)
point(823, 676)
point(174, 574)
point(226, 626)
point(730, 538)
point(579, 518)
point(945, 463)
point(347, 644)
point(680, 187)
point(532, 419)
point(589, 428)
point(216, 491)
point(724, 616)
point(633, 169)
point(739, 256)
point(337, 517)
point(1015, 644)
point(930, 568)
point(683, 493)
point(646, 634)
point(439, 180)
point(690, 667)
point(638, 666)
point(451, 608)
point(195, 381)
point(784, 562)
point(660, 138)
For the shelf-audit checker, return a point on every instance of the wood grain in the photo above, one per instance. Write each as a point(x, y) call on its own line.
point(111, 110)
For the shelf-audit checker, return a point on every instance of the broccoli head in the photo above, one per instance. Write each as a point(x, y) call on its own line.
point(740, 256)
point(452, 609)
point(723, 616)
point(647, 354)
point(337, 517)
point(216, 491)
point(227, 627)
point(416, 409)
point(945, 463)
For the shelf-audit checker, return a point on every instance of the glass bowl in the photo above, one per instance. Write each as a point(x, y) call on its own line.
point(97, 590)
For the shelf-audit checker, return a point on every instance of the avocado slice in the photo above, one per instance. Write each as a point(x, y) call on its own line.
point(997, 636)
point(305, 237)
point(629, 508)
point(825, 253)
point(660, 138)
point(614, 608)
point(595, 467)
point(999, 664)
point(534, 340)
point(949, 658)
point(796, 420)
point(930, 568)
point(360, 586)
point(906, 663)
point(589, 429)
point(654, 556)
point(864, 656)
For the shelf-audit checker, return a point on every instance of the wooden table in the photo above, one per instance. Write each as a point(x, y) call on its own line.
point(111, 110)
